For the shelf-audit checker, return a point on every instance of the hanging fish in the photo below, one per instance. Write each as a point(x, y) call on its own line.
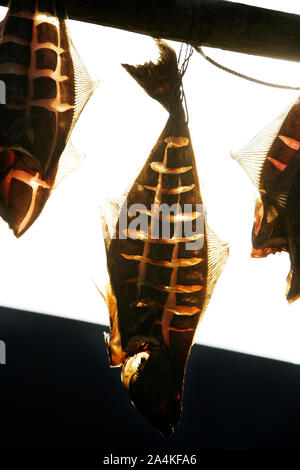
point(161, 275)
point(46, 88)
point(272, 161)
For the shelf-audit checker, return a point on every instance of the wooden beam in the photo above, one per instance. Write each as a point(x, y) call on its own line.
point(213, 23)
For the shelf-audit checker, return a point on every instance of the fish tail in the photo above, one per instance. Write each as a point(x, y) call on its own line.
point(160, 80)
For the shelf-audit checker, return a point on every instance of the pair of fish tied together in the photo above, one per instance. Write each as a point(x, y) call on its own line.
point(46, 88)
point(272, 161)
point(160, 282)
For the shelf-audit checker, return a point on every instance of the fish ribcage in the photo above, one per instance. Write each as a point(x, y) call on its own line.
point(179, 291)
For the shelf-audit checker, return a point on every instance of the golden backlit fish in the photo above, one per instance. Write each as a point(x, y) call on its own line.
point(272, 161)
point(162, 259)
point(46, 87)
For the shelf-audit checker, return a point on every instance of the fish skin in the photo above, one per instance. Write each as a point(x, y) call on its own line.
point(151, 341)
point(37, 66)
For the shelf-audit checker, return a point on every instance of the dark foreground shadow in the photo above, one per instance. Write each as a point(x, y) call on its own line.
point(58, 392)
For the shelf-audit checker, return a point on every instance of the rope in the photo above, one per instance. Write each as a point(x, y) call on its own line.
point(188, 53)
point(240, 75)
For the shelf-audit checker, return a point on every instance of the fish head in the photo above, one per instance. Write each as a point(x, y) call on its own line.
point(153, 386)
point(23, 191)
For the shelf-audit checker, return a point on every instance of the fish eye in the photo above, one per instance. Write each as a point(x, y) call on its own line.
point(133, 367)
point(143, 346)
point(141, 365)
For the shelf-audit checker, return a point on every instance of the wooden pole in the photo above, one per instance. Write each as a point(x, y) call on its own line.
point(213, 23)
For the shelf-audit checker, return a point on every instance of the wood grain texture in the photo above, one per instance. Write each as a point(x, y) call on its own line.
point(214, 23)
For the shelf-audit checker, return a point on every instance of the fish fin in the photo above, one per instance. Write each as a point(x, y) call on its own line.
point(100, 291)
point(69, 161)
point(108, 222)
point(83, 84)
point(280, 193)
point(160, 80)
point(113, 341)
point(110, 210)
point(253, 156)
point(217, 254)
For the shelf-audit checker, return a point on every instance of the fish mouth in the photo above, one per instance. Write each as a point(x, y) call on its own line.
point(170, 417)
point(164, 419)
point(167, 429)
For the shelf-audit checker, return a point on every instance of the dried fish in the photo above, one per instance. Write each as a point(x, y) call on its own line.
point(46, 88)
point(162, 258)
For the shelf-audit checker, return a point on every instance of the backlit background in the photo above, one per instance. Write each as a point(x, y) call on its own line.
point(52, 267)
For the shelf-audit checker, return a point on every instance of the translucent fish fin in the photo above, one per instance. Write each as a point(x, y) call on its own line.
point(253, 156)
point(110, 210)
point(160, 80)
point(108, 222)
point(84, 85)
point(113, 341)
point(217, 253)
point(278, 192)
point(100, 291)
point(69, 161)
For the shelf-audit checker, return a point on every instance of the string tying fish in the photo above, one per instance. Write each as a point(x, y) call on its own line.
point(183, 68)
point(241, 75)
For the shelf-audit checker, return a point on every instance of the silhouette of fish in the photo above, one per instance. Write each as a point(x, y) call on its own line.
point(46, 87)
point(272, 161)
point(162, 259)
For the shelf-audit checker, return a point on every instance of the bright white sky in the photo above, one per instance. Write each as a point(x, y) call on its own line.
point(51, 268)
